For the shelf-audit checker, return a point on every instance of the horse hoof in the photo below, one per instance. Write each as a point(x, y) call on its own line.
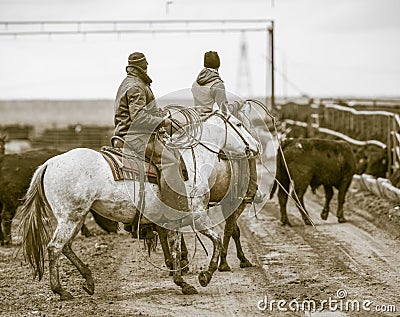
point(286, 223)
point(204, 278)
point(66, 296)
point(324, 215)
point(224, 268)
point(342, 219)
point(189, 290)
point(88, 288)
point(245, 263)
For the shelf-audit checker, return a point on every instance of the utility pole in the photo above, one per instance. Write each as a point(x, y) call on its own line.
point(271, 52)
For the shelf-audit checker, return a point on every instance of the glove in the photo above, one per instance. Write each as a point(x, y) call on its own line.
point(168, 126)
point(240, 104)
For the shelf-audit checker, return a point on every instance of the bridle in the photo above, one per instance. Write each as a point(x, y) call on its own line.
point(230, 155)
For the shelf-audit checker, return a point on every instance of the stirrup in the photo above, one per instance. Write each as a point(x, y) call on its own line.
point(186, 220)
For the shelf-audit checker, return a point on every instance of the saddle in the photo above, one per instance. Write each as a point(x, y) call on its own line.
point(125, 166)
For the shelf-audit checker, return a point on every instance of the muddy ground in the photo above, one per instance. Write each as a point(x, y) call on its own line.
point(359, 259)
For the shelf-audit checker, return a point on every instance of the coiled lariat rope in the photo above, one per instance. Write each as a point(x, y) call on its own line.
point(187, 127)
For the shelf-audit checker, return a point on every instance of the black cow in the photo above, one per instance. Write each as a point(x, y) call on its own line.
point(314, 162)
point(372, 160)
point(16, 171)
point(3, 139)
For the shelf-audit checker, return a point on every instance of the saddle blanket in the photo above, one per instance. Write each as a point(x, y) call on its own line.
point(124, 167)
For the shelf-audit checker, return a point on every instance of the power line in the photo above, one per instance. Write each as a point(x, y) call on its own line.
point(129, 31)
point(25, 28)
point(287, 80)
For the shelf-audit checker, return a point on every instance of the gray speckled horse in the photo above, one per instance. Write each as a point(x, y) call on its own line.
point(69, 185)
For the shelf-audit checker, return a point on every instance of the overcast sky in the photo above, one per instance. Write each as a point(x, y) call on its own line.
point(323, 48)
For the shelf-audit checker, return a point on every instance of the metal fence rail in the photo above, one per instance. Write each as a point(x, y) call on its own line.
point(381, 128)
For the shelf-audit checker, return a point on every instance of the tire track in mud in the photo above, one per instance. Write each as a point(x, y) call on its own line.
point(306, 263)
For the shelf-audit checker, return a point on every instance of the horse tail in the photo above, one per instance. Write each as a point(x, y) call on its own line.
point(35, 223)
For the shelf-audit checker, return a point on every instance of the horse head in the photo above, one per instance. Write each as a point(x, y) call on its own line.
point(228, 133)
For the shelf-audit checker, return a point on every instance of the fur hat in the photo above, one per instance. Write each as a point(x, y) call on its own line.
point(211, 60)
point(137, 59)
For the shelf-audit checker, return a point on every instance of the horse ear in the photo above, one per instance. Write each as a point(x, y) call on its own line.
point(246, 108)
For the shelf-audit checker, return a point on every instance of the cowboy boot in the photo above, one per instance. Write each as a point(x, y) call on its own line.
point(253, 195)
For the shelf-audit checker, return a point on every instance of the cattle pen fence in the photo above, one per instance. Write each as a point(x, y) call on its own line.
point(350, 123)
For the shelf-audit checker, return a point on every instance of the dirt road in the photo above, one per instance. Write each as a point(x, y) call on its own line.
point(298, 266)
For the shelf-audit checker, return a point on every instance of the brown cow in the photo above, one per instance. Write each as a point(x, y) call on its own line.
point(314, 162)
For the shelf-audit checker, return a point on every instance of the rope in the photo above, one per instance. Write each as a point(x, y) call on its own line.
point(187, 133)
point(265, 108)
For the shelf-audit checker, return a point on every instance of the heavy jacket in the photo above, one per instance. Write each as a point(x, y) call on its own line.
point(135, 110)
point(207, 90)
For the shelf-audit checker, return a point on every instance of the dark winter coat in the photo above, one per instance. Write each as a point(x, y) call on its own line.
point(135, 110)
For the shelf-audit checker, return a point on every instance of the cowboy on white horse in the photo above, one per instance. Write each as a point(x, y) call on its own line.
point(137, 120)
point(209, 89)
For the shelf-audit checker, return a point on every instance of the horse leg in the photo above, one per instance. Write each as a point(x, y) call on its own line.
point(230, 230)
point(55, 284)
point(244, 262)
point(230, 224)
point(205, 276)
point(174, 239)
point(64, 233)
point(162, 233)
point(328, 198)
point(184, 257)
point(82, 268)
